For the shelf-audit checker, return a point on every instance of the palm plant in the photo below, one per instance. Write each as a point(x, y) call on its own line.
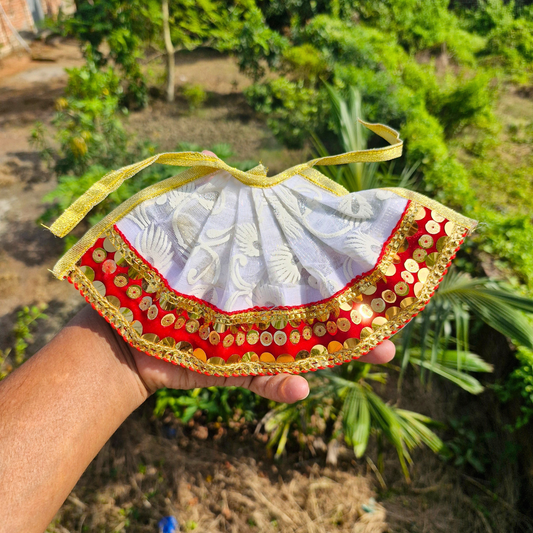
point(435, 342)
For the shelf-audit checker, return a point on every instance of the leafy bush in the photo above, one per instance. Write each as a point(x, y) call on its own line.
point(519, 387)
point(89, 130)
point(194, 94)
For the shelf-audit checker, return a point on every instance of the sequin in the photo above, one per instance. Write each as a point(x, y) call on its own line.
point(184, 346)
point(166, 304)
point(99, 255)
point(307, 333)
point(377, 305)
point(431, 259)
point(426, 241)
point(302, 354)
point(126, 313)
point(232, 359)
point(351, 344)
point(119, 259)
point(200, 354)
point(365, 311)
point(343, 324)
point(240, 337)
point(378, 322)
point(120, 281)
point(266, 338)
point(331, 327)
point(294, 336)
point(420, 213)
point(423, 274)
point(449, 227)
point(153, 312)
point(345, 306)
point(436, 217)
point(108, 246)
point(406, 302)
point(148, 287)
point(411, 265)
point(368, 291)
point(214, 338)
point(180, 322)
point(192, 326)
point(168, 341)
point(266, 357)
point(396, 259)
point(413, 230)
point(114, 301)
point(432, 227)
point(109, 266)
point(218, 361)
point(252, 337)
point(366, 332)
point(203, 332)
point(280, 338)
point(318, 349)
point(295, 323)
point(334, 346)
point(388, 296)
point(391, 312)
point(151, 337)
point(418, 288)
point(145, 303)
point(441, 243)
point(390, 271)
point(279, 323)
point(263, 325)
point(419, 255)
point(137, 326)
point(168, 320)
point(133, 292)
point(319, 329)
point(88, 272)
point(248, 356)
point(228, 341)
point(285, 358)
point(219, 327)
point(401, 288)
point(100, 287)
point(408, 277)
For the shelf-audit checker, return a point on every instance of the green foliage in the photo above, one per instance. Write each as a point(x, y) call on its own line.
point(194, 94)
point(467, 447)
point(518, 387)
point(292, 110)
point(14, 356)
point(89, 130)
point(216, 403)
point(345, 400)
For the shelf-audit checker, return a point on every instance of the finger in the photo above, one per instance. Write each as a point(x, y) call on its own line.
point(208, 152)
point(380, 354)
point(282, 388)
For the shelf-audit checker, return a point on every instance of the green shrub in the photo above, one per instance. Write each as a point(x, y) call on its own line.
point(89, 129)
point(194, 94)
point(292, 110)
point(519, 387)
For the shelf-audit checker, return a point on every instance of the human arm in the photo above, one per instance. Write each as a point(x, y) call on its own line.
point(59, 409)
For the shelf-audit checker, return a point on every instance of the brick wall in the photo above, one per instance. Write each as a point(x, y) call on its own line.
point(20, 16)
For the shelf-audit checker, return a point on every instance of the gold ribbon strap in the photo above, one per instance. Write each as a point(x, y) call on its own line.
point(254, 178)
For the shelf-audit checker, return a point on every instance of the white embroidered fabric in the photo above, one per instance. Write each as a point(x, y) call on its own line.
point(239, 247)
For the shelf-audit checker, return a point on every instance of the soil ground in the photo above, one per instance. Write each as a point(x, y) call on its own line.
point(210, 477)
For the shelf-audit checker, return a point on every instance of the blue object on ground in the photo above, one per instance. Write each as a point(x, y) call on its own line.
point(168, 524)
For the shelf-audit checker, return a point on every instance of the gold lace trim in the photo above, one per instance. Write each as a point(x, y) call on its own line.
point(349, 295)
point(254, 178)
point(312, 363)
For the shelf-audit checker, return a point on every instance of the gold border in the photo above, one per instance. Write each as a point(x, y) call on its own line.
point(310, 311)
point(186, 359)
point(446, 212)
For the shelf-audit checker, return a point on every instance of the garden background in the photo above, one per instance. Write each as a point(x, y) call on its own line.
point(439, 440)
